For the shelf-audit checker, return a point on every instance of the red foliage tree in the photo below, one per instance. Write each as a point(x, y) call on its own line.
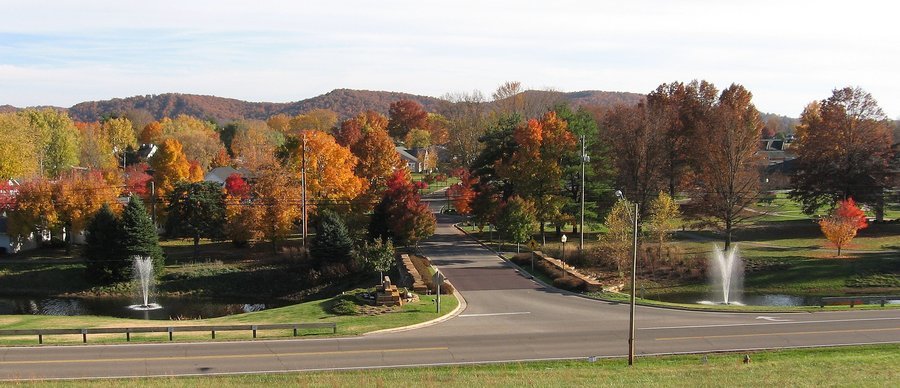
point(137, 181)
point(841, 227)
point(401, 215)
point(406, 115)
point(462, 193)
point(7, 196)
point(237, 187)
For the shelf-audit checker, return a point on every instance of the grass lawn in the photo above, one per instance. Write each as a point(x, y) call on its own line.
point(864, 366)
point(314, 311)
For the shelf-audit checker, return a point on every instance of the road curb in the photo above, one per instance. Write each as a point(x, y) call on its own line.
point(460, 306)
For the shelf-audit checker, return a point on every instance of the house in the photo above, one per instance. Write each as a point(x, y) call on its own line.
point(11, 245)
point(411, 161)
point(220, 174)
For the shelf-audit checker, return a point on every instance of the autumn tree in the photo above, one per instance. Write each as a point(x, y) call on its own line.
point(680, 110)
point(516, 220)
point(330, 177)
point(728, 171)
point(199, 138)
point(19, 152)
point(275, 204)
point(255, 144)
point(664, 214)
point(195, 172)
point(375, 151)
point(137, 180)
point(462, 193)
point(616, 244)
point(77, 196)
point(34, 211)
point(151, 134)
point(404, 116)
point(56, 138)
point(843, 150)
point(314, 120)
point(401, 215)
point(95, 150)
point(280, 122)
point(841, 226)
point(237, 187)
point(196, 210)
point(171, 166)
point(639, 157)
point(467, 121)
point(120, 134)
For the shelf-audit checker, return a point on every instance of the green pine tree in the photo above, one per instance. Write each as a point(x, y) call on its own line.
point(139, 235)
point(104, 258)
point(332, 241)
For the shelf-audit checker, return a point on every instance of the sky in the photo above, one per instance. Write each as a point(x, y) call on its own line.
point(787, 53)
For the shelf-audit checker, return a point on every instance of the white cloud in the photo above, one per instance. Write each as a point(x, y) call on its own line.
point(786, 53)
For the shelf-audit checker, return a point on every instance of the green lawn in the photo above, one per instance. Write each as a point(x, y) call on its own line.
point(864, 366)
point(314, 311)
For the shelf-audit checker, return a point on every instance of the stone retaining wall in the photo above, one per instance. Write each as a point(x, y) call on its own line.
point(410, 277)
point(591, 284)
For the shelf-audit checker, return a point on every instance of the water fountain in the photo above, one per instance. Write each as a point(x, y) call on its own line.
point(726, 275)
point(142, 273)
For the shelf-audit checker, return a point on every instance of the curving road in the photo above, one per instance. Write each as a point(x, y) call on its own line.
point(508, 317)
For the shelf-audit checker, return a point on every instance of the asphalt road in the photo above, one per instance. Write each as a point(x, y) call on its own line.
point(508, 317)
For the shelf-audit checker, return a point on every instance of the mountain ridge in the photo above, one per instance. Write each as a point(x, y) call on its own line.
point(346, 102)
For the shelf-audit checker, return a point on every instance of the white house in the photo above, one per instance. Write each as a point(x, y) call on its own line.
point(411, 161)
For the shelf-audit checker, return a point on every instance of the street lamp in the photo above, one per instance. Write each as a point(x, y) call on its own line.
point(564, 239)
point(633, 278)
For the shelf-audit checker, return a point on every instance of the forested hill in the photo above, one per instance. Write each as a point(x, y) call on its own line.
point(346, 102)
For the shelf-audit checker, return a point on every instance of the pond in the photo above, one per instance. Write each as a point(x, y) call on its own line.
point(171, 307)
point(749, 299)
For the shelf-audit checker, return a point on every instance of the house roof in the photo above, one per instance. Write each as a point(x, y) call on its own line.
point(404, 153)
point(222, 173)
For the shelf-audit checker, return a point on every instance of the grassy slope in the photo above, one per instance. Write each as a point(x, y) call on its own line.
point(314, 311)
point(868, 366)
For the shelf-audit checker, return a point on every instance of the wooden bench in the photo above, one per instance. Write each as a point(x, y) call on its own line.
point(40, 333)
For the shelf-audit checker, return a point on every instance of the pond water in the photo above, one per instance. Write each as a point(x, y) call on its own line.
point(748, 299)
point(171, 308)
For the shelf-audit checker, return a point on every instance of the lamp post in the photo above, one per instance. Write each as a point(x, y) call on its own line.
point(150, 172)
point(564, 239)
point(634, 220)
point(584, 160)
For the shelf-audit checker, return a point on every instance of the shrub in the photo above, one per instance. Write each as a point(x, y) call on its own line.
point(570, 283)
point(345, 307)
point(332, 241)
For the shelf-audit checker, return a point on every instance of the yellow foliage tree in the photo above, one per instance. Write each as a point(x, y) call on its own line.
point(34, 210)
point(275, 205)
point(18, 152)
point(77, 196)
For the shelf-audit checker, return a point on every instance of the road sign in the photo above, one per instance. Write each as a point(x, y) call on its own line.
point(533, 245)
point(437, 278)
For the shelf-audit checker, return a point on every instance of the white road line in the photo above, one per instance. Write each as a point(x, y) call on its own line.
point(768, 323)
point(493, 314)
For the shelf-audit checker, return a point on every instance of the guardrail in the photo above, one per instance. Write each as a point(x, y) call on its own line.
point(40, 333)
point(855, 300)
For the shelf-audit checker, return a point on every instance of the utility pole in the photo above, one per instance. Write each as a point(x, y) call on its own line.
point(584, 160)
point(303, 186)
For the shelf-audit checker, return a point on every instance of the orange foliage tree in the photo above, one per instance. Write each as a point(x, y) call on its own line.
point(77, 196)
point(463, 193)
point(841, 226)
point(275, 207)
point(171, 166)
point(330, 177)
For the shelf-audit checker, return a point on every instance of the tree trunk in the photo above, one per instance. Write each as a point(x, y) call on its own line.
point(68, 231)
point(727, 235)
point(543, 237)
point(196, 246)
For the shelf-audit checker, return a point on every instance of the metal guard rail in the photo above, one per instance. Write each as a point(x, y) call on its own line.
point(167, 329)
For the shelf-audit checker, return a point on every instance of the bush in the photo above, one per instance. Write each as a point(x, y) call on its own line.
point(570, 283)
point(345, 307)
